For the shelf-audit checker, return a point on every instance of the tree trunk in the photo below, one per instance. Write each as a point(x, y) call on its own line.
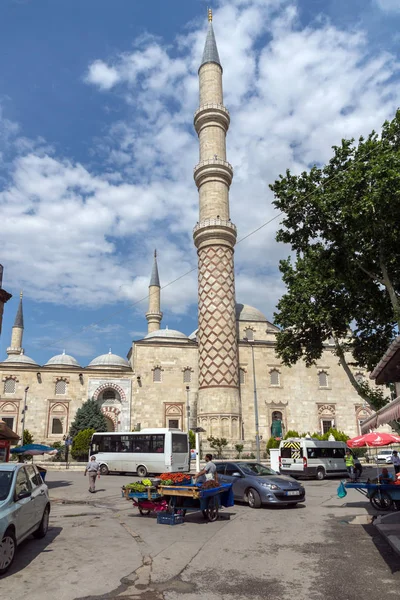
point(347, 370)
point(390, 290)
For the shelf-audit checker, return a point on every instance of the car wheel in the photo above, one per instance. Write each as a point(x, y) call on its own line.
point(8, 548)
point(253, 498)
point(141, 471)
point(104, 470)
point(44, 524)
point(320, 474)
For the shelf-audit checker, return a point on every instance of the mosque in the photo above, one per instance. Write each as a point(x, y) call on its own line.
point(225, 377)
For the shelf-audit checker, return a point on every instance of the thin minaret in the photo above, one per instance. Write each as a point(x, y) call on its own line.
point(215, 238)
point(154, 314)
point(17, 331)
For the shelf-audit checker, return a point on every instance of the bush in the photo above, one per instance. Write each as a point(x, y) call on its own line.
point(192, 439)
point(339, 436)
point(218, 444)
point(28, 437)
point(249, 456)
point(80, 445)
point(239, 449)
point(60, 456)
point(272, 443)
point(291, 434)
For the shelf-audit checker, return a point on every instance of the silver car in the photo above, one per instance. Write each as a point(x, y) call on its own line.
point(24, 508)
point(257, 485)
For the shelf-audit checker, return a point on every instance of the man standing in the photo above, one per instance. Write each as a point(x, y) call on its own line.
point(93, 468)
point(396, 461)
point(208, 472)
point(349, 459)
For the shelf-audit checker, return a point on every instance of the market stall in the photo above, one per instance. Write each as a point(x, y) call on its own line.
point(7, 437)
point(174, 495)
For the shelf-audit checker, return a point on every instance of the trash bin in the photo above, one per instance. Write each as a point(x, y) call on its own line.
point(42, 472)
point(274, 456)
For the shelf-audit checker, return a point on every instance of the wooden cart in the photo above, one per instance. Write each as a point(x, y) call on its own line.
point(191, 498)
point(383, 496)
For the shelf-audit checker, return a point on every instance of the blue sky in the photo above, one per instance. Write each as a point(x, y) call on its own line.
point(97, 146)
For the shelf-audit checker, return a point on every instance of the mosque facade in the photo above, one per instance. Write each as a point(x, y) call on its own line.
point(214, 378)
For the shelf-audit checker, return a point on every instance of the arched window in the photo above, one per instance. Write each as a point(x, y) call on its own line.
point(9, 386)
point(61, 387)
point(187, 376)
point(323, 381)
point(274, 377)
point(249, 334)
point(157, 374)
point(56, 426)
point(109, 395)
point(242, 376)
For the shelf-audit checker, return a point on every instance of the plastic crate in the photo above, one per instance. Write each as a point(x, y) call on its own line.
point(164, 518)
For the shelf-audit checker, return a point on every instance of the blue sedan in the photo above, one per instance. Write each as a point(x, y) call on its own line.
point(256, 484)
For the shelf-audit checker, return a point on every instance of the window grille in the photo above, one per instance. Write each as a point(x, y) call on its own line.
point(9, 386)
point(61, 387)
point(157, 374)
point(187, 376)
point(249, 334)
point(242, 376)
point(323, 379)
point(274, 377)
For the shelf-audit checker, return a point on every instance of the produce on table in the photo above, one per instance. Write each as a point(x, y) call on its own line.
point(135, 487)
point(209, 485)
point(147, 482)
point(175, 478)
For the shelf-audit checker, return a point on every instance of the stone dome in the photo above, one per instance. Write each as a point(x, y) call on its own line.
point(62, 359)
point(170, 334)
point(21, 359)
point(245, 312)
point(109, 360)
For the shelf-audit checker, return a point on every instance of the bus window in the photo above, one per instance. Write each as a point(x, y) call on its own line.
point(157, 443)
point(179, 443)
point(141, 443)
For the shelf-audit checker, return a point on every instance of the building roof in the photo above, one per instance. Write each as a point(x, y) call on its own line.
point(19, 319)
point(210, 53)
point(109, 360)
point(170, 334)
point(21, 359)
point(62, 359)
point(245, 312)
point(388, 368)
point(155, 280)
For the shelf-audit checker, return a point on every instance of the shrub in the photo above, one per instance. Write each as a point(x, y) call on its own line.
point(239, 449)
point(272, 443)
point(339, 436)
point(218, 444)
point(192, 439)
point(291, 434)
point(80, 445)
point(28, 437)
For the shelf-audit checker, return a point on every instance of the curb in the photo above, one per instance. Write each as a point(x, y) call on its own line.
point(389, 527)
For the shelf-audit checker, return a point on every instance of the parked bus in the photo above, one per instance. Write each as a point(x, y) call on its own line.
point(146, 451)
point(309, 457)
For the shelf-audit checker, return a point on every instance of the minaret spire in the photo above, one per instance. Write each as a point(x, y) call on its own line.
point(215, 237)
point(154, 314)
point(17, 330)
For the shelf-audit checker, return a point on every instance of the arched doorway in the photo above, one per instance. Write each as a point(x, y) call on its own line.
point(110, 423)
point(110, 403)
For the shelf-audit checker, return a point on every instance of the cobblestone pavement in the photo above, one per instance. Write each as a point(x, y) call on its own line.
point(98, 547)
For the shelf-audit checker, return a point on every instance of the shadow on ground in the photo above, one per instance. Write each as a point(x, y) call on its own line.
point(390, 557)
point(30, 549)
point(57, 484)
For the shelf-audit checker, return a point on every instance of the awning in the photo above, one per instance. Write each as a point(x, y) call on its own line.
point(6, 433)
point(388, 413)
point(388, 368)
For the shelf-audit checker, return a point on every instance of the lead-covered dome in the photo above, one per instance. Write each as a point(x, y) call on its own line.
point(109, 360)
point(20, 359)
point(170, 334)
point(245, 312)
point(64, 360)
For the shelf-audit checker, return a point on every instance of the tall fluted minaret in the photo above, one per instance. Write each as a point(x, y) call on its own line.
point(215, 238)
point(154, 314)
point(17, 331)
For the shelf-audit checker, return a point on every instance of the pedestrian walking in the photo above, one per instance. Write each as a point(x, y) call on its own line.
point(93, 468)
point(396, 461)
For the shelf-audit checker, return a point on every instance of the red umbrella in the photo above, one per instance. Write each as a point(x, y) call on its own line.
point(374, 439)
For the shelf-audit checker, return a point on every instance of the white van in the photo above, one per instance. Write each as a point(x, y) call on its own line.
point(308, 457)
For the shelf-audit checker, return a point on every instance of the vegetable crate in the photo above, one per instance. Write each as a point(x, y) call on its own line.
point(164, 518)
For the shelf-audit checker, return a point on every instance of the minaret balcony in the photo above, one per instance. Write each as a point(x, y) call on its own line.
point(214, 231)
point(211, 170)
point(211, 114)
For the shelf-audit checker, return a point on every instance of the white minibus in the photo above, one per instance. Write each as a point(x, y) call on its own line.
point(146, 451)
point(309, 457)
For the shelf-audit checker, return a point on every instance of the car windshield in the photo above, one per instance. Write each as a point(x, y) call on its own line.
point(5, 483)
point(256, 469)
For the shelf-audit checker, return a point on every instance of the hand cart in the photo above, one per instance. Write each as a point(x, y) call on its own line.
point(383, 496)
point(149, 501)
point(191, 498)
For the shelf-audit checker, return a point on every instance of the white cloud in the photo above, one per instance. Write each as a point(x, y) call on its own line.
point(389, 5)
point(75, 237)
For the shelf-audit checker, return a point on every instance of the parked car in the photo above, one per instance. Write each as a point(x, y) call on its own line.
point(256, 484)
point(384, 455)
point(24, 508)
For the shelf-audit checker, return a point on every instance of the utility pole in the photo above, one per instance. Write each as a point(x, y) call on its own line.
point(255, 402)
point(23, 414)
point(187, 409)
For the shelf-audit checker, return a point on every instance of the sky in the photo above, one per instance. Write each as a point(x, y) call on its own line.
point(97, 148)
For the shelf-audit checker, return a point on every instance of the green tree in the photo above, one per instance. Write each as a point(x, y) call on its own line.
point(239, 449)
point(272, 443)
point(218, 444)
point(88, 416)
point(341, 221)
point(80, 444)
point(28, 437)
point(192, 439)
point(339, 436)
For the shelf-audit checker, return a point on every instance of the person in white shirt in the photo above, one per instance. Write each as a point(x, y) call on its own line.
point(93, 468)
point(396, 461)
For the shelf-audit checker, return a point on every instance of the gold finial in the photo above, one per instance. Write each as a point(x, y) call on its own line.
point(21, 294)
point(209, 15)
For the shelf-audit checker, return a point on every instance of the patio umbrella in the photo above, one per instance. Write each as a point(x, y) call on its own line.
point(33, 450)
point(374, 440)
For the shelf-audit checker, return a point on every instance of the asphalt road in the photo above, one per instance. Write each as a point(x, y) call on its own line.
point(98, 547)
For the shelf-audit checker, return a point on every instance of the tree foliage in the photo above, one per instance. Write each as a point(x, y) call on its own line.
point(192, 439)
point(28, 437)
point(88, 416)
point(342, 222)
point(80, 444)
point(239, 449)
point(218, 444)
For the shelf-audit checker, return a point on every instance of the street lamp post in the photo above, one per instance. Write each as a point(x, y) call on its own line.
point(23, 415)
point(255, 402)
point(187, 409)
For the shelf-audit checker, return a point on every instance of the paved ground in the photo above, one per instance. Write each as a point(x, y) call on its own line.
point(98, 547)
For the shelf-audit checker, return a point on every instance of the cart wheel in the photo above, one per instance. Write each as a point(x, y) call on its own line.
point(205, 514)
point(212, 510)
point(144, 511)
point(381, 500)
